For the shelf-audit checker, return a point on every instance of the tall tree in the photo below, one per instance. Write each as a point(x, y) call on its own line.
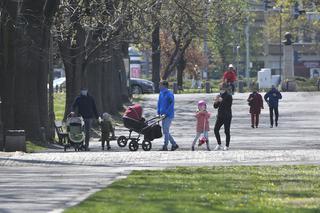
point(184, 21)
point(91, 35)
point(226, 25)
point(24, 44)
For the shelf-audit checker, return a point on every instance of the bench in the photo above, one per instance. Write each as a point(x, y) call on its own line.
point(62, 135)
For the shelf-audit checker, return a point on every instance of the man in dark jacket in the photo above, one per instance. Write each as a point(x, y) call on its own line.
point(223, 102)
point(86, 107)
point(272, 98)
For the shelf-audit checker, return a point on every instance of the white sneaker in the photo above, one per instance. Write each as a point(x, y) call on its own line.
point(225, 148)
point(218, 147)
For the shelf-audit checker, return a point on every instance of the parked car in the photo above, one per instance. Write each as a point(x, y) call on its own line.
point(59, 82)
point(141, 86)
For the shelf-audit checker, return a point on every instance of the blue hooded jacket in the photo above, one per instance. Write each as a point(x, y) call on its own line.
point(272, 97)
point(166, 103)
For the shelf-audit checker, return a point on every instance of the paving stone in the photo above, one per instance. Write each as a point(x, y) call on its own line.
point(53, 180)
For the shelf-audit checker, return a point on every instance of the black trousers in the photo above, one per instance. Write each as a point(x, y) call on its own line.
point(276, 113)
point(226, 121)
point(87, 130)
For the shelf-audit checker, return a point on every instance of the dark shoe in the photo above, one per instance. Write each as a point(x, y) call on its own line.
point(271, 126)
point(174, 147)
point(108, 148)
point(192, 148)
point(252, 126)
point(276, 124)
point(164, 148)
point(103, 148)
point(256, 126)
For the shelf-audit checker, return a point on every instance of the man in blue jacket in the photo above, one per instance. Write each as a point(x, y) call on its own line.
point(86, 107)
point(166, 108)
point(272, 98)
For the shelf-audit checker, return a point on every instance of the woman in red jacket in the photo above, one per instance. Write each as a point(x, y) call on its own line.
point(255, 102)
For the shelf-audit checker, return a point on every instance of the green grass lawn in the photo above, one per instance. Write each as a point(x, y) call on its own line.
point(59, 105)
point(218, 189)
point(31, 147)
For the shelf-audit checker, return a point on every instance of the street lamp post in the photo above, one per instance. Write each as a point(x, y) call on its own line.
point(238, 59)
point(205, 42)
point(280, 42)
point(247, 51)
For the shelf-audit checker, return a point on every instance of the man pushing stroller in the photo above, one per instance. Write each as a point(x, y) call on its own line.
point(86, 107)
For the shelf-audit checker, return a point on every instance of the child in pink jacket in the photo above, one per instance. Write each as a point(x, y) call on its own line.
point(202, 125)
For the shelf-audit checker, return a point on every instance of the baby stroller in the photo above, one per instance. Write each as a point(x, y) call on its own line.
point(135, 123)
point(76, 135)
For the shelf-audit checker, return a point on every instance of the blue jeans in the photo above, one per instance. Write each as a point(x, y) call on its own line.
point(205, 134)
point(166, 123)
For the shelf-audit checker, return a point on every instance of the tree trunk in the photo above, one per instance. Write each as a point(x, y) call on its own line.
point(73, 65)
point(156, 56)
point(25, 66)
point(124, 53)
point(51, 133)
point(95, 84)
point(180, 68)
point(177, 55)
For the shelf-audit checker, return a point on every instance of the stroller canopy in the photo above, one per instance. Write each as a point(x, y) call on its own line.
point(134, 112)
point(74, 120)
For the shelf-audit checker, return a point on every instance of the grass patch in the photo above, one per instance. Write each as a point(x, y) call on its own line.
point(31, 147)
point(217, 189)
point(306, 85)
point(59, 105)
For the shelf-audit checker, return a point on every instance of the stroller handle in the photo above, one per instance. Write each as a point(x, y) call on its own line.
point(158, 118)
point(72, 114)
point(154, 120)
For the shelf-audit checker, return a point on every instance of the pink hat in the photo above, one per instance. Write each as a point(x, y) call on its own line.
point(202, 103)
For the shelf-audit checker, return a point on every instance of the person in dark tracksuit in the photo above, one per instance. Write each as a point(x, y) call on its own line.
point(85, 105)
point(223, 102)
point(272, 98)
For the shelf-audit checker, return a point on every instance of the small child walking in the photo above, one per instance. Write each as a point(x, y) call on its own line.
point(106, 129)
point(202, 117)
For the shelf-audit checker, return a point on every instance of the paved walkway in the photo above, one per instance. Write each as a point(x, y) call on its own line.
point(55, 180)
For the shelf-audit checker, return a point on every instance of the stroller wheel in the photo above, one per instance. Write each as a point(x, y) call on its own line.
point(133, 145)
point(122, 141)
point(146, 145)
